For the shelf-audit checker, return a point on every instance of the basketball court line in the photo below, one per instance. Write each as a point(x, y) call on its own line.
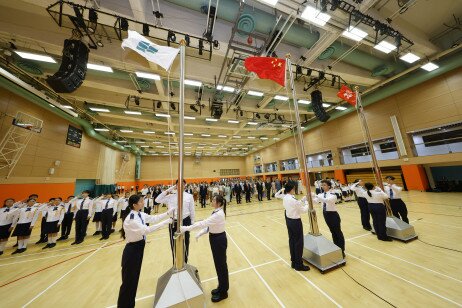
point(405, 280)
point(303, 276)
point(63, 276)
point(406, 261)
point(210, 279)
point(256, 272)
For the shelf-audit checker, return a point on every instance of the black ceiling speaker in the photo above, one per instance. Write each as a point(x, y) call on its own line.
point(318, 109)
point(73, 69)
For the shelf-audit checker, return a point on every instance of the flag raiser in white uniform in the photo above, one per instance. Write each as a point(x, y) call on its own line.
point(161, 55)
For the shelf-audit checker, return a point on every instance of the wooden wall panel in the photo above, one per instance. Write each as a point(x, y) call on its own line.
point(435, 102)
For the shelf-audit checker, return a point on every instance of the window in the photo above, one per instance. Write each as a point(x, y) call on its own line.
point(363, 151)
point(443, 137)
point(388, 147)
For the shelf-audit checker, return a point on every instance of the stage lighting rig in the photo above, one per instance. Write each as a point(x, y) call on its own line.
point(123, 24)
point(172, 106)
point(171, 37)
point(145, 29)
point(159, 104)
point(211, 17)
point(201, 47)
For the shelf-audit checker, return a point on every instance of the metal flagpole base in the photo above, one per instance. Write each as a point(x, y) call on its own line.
point(398, 229)
point(322, 253)
point(179, 289)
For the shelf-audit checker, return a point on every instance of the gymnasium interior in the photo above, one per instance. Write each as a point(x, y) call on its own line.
point(80, 112)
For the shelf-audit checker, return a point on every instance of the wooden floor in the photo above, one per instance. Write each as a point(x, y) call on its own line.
point(377, 274)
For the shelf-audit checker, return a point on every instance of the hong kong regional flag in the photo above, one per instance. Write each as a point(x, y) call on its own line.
point(268, 68)
point(347, 95)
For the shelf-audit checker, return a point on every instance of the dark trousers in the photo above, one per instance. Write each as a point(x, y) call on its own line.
point(268, 194)
point(365, 214)
point(295, 230)
point(66, 225)
point(203, 200)
point(81, 223)
point(43, 235)
point(171, 231)
point(247, 197)
point(333, 222)
point(379, 217)
point(106, 222)
point(123, 214)
point(218, 244)
point(399, 209)
point(148, 210)
point(132, 258)
point(238, 198)
point(260, 195)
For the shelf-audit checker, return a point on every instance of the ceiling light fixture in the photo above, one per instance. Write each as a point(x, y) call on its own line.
point(354, 33)
point(303, 102)
point(315, 16)
point(189, 118)
point(281, 98)
point(162, 115)
point(225, 88)
point(341, 108)
point(255, 93)
point(211, 120)
point(149, 132)
point(147, 75)
point(132, 112)
point(410, 57)
point(430, 66)
point(97, 67)
point(101, 129)
point(252, 123)
point(36, 57)
point(385, 47)
point(126, 131)
point(192, 83)
point(233, 121)
point(99, 109)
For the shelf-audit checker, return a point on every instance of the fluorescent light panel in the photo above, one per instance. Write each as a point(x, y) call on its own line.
point(169, 133)
point(205, 135)
point(225, 88)
point(147, 75)
point(97, 67)
point(211, 120)
point(162, 115)
point(354, 33)
point(233, 121)
point(303, 102)
point(188, 134)
point(67, 107)
point(429, 66)
point(385, 47)
point(192, 83)
point(36, 57)
point(99, 109)
point(189, 118)
point(132, 112)
point(252, 123)
point(102, 129)
point(325, 105)
point(270, 2)
point(126, 131)
point(315, 16)
point(281, 98)
point(222, 136)
point(255, 93)
point(410, 57)
point(149, 132)
point(341, 108)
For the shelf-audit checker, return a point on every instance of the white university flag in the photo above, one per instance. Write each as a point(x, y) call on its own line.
point(160, 55)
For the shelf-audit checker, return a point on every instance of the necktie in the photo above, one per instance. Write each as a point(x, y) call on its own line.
point(7, 210)
point(107, 203)
point(69, 208)
point(142, 221)
point(324, 204)
point(148, 202)
point(55, 208)
point(28, 209)
point(391, 193)
point(81, 204)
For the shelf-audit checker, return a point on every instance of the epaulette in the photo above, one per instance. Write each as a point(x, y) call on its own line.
point(132, 216)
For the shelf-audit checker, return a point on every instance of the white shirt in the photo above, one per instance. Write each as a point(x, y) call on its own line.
point(171, 201)
point(8, 216)
point(293, 206)
point(55, 213)
point(280, 194)
point(377, 196)
point(85, 204)
point(329, 199)
point(213, 224)
point(123, 203)
point(360, 191)
point(396, 191)
point(28, 215)
point(135, 225)
point(101, 203)
point(144, 191)
point(70, 205)
point(148, 202)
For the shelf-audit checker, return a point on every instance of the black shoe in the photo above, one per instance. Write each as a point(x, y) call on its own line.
point(97, 232)
point(219, 297)
point(367, 228)
point(22, 250)
point(52, 245)
point(302, 268)
point(40, 241)
point(15, 245)
point(292, 265)
point(103, 238)
point(66, 237)
point(112, 230)
point(16, 251)
point(343, 254)
point(215, 291)
point(74, 243)
point(1, 252)
point(47, 246)
point(61, 238)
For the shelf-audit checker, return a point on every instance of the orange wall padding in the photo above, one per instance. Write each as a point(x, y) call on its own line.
point(340, 175)
point(415, 177)
point(44, 191)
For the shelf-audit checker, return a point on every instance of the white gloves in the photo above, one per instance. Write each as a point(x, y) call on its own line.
point(166, 222)
point(171, 212)
point(171, 188)
point(200, 233)
point(304, 199)
point(183, 229)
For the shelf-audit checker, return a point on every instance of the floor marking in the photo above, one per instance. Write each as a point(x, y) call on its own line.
point(443, 225)
point(404, 279)
point(256, 272)
point(303, 276)
point(63, 276)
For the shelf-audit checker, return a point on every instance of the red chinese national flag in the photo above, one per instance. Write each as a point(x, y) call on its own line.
point(268, 68)
point(347, 95)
